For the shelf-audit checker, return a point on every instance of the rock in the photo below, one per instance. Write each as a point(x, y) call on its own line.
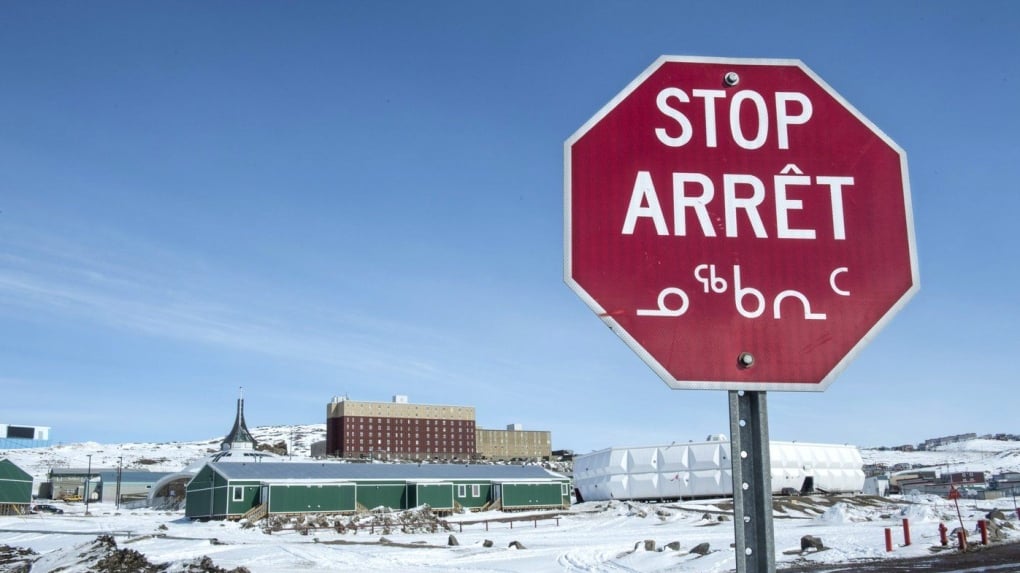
point(674, 545)
point(701, 549)
point(996, 514)
point(452, 540)
point(649, 545)
point(516, 545)
point(811, 542)
point(384, 541)
point(723, 518)
point(487, 543)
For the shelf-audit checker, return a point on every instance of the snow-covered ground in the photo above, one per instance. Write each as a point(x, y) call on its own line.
point(591, 536)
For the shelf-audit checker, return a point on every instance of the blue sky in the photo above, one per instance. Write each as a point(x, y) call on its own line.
point(313, 199)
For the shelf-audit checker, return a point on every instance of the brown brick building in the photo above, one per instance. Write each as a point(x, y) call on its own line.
point(399, 429)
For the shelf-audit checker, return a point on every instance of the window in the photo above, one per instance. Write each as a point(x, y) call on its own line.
point(563, 489)
point(462, 490)
point(476, 490)
point(238, 493)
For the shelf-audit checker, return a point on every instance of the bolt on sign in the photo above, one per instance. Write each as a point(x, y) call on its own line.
point(738, 224)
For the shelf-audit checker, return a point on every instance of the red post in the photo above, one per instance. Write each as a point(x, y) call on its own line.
point(888, 539)
point(962, 535)
point(486, 525)
point(943, 538)
point(906, 532)
point(536, 523)
point(983, 526)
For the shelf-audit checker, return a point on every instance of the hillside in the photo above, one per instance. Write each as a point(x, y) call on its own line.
point(991, 456)
point(157, 457)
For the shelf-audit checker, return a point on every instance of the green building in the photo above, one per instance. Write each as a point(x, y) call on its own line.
point(230, 490)
point(15, 489)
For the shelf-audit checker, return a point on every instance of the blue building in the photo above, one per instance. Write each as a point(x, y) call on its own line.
point(17, 437)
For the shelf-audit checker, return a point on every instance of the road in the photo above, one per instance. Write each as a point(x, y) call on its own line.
point(1000, 558)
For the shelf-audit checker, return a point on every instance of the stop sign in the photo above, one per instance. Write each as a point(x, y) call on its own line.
point(738, 224)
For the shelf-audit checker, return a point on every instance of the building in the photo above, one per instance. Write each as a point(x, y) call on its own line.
point(221, 490)
point(513, 443)
point(15, 488)
point(16, 437)
point(704, 469)
point(111, 485)
point(399, 430)
point(239, 438)
point(237, 447)
point(934, 443)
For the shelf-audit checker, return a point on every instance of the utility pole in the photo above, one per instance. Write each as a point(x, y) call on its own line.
point(88, 478)
point(120, 471)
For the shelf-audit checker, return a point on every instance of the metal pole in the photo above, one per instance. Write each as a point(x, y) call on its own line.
point(88, 478)
point(752, 483)
point(120, 471)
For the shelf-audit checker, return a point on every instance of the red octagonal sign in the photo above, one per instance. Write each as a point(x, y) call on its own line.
point(738, 224)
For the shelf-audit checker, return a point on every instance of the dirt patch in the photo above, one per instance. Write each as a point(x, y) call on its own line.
point(16, 559)
point(382, 522)
point(103, 556)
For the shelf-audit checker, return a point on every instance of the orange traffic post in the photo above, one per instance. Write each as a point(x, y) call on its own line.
point(888, 539)
point(906, 532)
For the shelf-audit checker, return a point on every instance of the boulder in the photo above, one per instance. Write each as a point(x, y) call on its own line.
point(673, 545)
point(701, 549)
point(811, 542)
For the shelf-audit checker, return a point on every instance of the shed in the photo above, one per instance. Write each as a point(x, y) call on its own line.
point(15, 488)
point(104, 484)
point(221, 490)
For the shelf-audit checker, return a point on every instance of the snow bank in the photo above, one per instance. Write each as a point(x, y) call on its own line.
point(917, 513)
point(841, 513)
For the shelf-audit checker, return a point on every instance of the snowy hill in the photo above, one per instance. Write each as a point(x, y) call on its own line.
point(990, 456)
point(156, 457)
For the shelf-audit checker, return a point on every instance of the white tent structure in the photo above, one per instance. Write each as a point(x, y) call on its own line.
point(697, 470)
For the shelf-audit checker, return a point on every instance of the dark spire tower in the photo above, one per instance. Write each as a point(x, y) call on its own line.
point(239, 437)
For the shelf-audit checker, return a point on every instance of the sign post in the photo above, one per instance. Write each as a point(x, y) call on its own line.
point(754, 543)
point(741, 227)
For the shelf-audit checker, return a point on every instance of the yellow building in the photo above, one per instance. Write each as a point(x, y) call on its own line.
point(513, 443)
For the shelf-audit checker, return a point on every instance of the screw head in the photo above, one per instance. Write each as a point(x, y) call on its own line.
point(731, 79)
point(745, 360)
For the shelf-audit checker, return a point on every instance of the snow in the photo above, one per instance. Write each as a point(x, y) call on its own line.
point(591, 536)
